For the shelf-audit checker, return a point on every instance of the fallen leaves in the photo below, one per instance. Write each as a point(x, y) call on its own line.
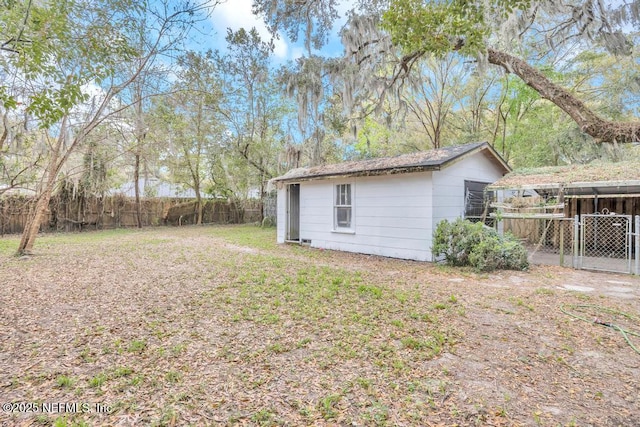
point(199, 325)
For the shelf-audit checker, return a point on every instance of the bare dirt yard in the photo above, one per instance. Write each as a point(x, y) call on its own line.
point(221, 326)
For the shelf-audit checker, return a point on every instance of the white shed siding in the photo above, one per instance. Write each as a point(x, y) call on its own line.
point(281, 215)
point(448, 185)
point(316, 209)
point(391, 215)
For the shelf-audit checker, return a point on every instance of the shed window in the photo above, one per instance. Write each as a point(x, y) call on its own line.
point(476, 201)
point(342, 208)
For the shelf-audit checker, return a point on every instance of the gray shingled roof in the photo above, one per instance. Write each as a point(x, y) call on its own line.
point(421, 161)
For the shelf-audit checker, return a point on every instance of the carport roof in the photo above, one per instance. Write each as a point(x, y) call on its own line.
point(414, 162)
point(591, 179)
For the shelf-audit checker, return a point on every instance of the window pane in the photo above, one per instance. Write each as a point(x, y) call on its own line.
point(343, 217)
point(343, 195)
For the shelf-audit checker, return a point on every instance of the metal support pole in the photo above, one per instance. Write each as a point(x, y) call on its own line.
point(629, 243)
point(576, 241)
point(561, 224)
point(637, 237)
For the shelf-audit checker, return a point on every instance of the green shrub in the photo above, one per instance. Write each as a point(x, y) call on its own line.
point(463, 243)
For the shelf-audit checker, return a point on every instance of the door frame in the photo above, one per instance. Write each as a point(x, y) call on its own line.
point(292, 231)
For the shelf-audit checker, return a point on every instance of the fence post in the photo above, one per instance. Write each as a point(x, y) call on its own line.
point(576, 241)
point(637, 236)
point(561, 224)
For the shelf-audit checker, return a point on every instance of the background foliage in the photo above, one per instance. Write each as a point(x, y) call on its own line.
point(106, 93)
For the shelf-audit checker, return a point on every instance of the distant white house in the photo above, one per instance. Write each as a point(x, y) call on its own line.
point(387, 206)
point(154, 187)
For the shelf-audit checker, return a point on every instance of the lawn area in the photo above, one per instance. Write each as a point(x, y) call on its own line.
point(219, 325)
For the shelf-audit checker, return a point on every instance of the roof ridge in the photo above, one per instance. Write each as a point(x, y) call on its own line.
point(407, 162)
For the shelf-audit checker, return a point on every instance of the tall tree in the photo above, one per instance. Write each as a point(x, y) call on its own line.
point(59, 51)
point(252, 107)
point(473, 98)
point(311, 18)
point(381, 53)
point(306, 81)
point(188, 119)
point(431, 95)
point(152, 82)
point(486, 29)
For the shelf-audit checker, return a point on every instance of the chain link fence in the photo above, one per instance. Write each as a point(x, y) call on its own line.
point(550, 241)
point(606, 242)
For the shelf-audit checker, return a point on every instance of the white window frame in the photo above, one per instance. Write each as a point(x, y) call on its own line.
point(343, 203)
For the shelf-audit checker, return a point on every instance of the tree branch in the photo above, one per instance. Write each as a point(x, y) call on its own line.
point(588, 121)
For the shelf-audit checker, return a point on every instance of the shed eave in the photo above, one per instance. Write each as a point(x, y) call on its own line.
point(523, 186)
point(595, 186)
point(371, 172)
point(483, 147)
point(605, 184)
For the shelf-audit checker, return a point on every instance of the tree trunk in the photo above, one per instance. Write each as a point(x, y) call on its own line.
point(198, 204)
point(136, 186)
point(36, 214)
point(33, 224)
point(5, 129)
point(140, 136)
point(263, 195)
point(588, 121)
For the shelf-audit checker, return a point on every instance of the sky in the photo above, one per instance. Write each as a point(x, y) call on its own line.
point(236, 14)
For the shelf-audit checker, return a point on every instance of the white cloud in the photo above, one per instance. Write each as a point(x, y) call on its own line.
point(343, 9)
point(236, 14)
point(345, 6)
point(297, 52)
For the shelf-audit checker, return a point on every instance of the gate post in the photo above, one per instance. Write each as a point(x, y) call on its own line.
point(576, 241)
point(636, 235)
point(561, 224)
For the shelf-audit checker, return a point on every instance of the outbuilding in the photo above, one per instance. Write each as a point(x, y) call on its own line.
point(386, 206)
point(585, 216)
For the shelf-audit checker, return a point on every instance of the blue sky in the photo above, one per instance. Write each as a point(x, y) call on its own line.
point(236, 14)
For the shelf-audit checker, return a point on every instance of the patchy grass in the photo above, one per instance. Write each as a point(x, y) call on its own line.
point(161, 323)
point(8, 245)
point(64, 381)
point(248, 235)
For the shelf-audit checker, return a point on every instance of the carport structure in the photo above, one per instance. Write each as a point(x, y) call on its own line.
point(586, 215)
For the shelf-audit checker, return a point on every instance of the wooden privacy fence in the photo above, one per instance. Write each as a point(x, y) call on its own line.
point(98, 213)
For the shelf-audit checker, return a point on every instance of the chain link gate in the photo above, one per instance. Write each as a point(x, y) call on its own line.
point(551, 241)
point(606, 242)
point(599, 241)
